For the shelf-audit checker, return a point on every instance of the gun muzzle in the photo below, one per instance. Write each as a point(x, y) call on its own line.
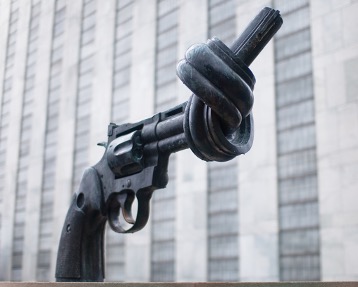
point(218, 123)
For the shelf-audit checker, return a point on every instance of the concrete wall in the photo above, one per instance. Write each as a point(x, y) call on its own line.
point(191, 197)
point(257, 170)
point(141, 106)
point(33, 206)
point(66, 131)
point(335, 62)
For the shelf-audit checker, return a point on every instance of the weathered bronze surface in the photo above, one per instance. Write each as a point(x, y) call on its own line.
point(216, 124)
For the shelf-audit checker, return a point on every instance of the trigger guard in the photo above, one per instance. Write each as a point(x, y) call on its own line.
point(142, 214)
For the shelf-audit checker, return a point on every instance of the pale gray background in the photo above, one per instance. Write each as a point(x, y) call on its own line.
point(285, 211)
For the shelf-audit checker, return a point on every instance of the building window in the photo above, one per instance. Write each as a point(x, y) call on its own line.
point(223, 244)
point(7, 94)
point(25, 138)
point(163, 211)
point(296, 146)
point(223, 224)
point(122, 61)
point(115, 251)
point(49, 161)
point(84, 91)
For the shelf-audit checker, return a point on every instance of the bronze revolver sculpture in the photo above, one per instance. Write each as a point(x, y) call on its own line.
point(215, 123)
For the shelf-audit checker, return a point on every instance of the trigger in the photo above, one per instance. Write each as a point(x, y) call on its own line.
point(126, 200)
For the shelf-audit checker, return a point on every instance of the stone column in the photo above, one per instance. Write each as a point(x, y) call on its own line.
point(35, 171)
point(67, 120)
point(143, 60)
point(258, 205)
point(5, 10)
point(191, 181)
point(335, 63)
point(12, 154)
point(4, 24)
point(142, 90)
point(102, 78)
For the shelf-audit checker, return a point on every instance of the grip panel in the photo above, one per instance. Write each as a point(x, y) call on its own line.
point(81, 249)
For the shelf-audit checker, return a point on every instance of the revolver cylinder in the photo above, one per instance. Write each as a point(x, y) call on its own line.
point(125, 155)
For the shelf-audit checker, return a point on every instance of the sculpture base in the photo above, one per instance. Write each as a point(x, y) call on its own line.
point(182, 284)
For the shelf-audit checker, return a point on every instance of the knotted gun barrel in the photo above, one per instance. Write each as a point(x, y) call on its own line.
point(215, 123)
point(218, 124)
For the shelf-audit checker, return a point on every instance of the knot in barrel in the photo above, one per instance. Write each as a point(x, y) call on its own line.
point(218, 124)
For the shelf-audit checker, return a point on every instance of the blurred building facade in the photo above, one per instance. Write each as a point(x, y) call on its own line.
point(287, 210)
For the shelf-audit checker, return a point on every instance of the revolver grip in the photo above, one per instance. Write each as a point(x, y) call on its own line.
point(81, 248)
